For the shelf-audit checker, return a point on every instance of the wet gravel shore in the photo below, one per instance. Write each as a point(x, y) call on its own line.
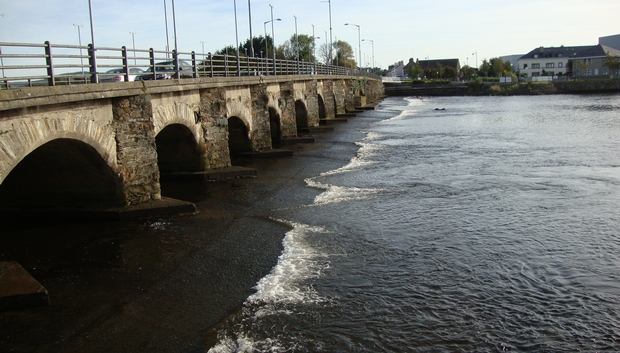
point(162, 284)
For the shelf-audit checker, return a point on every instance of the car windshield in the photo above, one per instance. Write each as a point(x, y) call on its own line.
point(169, 66)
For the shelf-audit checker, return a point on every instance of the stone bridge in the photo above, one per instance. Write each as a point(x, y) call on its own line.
point(107, 144)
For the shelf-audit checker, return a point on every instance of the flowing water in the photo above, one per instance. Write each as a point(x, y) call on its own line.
point(491, 225)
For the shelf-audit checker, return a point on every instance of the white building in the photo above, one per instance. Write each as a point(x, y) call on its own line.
point(547, 61)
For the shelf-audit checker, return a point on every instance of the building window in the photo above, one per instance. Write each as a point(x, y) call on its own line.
point(605, 72)
point(525, 66)
point(560, 65)
point(550, 65)
point(535, 66)
point(535, 74)
point(589, 72)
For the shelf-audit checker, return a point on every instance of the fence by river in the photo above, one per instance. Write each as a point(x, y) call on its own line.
point(27, 64)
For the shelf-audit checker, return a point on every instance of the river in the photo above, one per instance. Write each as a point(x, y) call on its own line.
point(462, 224)
point(456, 224)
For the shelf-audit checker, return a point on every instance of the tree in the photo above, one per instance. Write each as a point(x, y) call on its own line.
point(415, 71)
point(612, 63)
point(496, 67)
point(485, 67)
point(449, 72)
point(304, 42)
point(468, 72)
point(583, 66)
point(343, 54)
point(259, 46)
point(228, 50)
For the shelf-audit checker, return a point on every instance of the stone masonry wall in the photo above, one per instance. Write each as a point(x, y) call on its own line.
point(328, 99)
point(136, 151)
point(287, 106)
point(312, 102)
point(260, 117)
point(340, 95)
point(215, 126)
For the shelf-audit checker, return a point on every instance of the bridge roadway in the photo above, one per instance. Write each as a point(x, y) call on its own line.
point(108, 144)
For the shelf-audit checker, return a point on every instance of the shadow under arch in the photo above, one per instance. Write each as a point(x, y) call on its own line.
point(301, 114)
point(178, 150)
point(275, 128)
point(62, 172)
point(238, 137)
point(322, 111)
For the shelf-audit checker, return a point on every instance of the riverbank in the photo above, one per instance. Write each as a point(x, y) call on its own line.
point(478, 88)
point(163, 284)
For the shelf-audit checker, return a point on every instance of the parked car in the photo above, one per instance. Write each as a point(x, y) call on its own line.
point(71, 78)
point(165, 71)
point(118, 75)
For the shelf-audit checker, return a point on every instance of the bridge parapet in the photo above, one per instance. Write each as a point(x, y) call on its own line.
point(141, 129)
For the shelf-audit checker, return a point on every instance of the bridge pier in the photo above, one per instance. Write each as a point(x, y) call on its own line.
point(138, 130)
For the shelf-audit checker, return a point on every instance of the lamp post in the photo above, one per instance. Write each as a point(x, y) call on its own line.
point(314, 47)
point(373, 50)
point(177, 74)
point(237, 39)
point(251, 38)
point(80, 43)
point(167, 35)
point(329, 2)
point(359, 40)
point(2, 61)
point(266, 48)
point(94, 77)
point(133, 40)
point(273, 39)
point(203, 56)
point(476, 53)
point(296, 44)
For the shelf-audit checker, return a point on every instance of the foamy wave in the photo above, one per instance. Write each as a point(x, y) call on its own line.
point(335, 194)
point(298, 262)
point(244, 344)
point(277, 293)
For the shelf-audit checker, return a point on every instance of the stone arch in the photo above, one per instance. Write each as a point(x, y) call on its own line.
point(238, 136)
point(275, 120)
point(178, 113)
point(178, 150)
point(301, 114)
point(25, 136)
point(62, 172)
point(235, 108)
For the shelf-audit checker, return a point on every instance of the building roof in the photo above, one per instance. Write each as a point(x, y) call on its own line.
point(426, 64)
point(554, 52)
point(597, 51)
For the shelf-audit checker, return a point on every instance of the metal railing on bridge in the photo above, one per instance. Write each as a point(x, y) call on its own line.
point(28, 65)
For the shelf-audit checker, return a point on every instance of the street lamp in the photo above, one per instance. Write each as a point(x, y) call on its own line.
point(273, 39)
point(95, 77)
point(330, 29)
point(177, 74)
point(167, 35)
point(359, 40)
point(80, 42)
point(272, 43)
point(373, 50)
point(133, 40)
point(296, 44)
point(237, 39)
point(476, 53)
point(251, 38)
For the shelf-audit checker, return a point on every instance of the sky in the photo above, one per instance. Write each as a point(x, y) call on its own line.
point(469, 30)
